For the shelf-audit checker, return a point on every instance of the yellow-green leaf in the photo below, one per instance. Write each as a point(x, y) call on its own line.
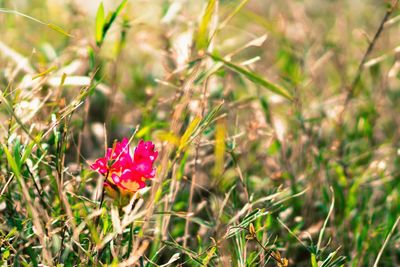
point(169, 137)
point(314, 260)
point(100, 24)
point(210, 254)
point(255, 78)
point(188, 133)
point(59, 29)
point(202, 33)
point(220, 133)
point(11, 161)
point(44, 72)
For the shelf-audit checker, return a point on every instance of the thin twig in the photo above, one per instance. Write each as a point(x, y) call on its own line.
point(356, 80)
point(6, 185)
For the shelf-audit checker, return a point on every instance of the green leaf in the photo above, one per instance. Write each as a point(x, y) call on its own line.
point(103, 24)
point(120, 7)
point(58, 29)
point(44, 72)
point(12, 233)
point(209, 255)
point(189, 133)
point(220, 148)
point(92, 59)
point(11, 161)
point(6, 254)
point(314, 260)
point(202, 33)
point(255, 78)
point(111, 17)
point(99, 24)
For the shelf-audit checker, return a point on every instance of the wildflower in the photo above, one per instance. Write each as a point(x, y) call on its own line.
point(128, 173)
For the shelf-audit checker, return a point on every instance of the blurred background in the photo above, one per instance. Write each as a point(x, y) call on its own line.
point(282, 113)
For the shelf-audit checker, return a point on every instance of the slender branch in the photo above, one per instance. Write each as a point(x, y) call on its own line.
point(371, 46)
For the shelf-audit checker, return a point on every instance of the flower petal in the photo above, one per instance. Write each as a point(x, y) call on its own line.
point(145, 151)
point(100, 165)
point(127, 172)
point(131, 186)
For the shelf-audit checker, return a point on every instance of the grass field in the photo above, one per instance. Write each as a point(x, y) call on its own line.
point(276, 124)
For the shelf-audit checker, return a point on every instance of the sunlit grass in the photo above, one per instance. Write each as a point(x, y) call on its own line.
point(276, 124)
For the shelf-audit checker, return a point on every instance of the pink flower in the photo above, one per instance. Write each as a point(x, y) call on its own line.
point(126, 172)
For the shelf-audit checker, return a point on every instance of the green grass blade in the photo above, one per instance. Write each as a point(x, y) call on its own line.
point(99, 24)
point(58, 29)
point(314, 262)
point(321, 233)
point(112, 17)
point(11, 161)
point(51, 25)
point(202, 34)
point(188, 133)
point(254, 78)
